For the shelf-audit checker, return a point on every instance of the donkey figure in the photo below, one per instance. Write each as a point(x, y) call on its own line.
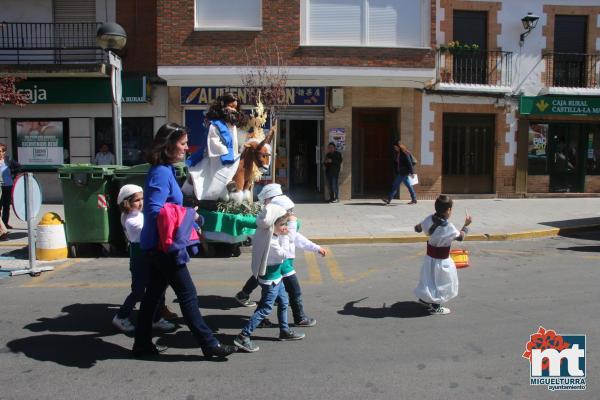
point(255, 157)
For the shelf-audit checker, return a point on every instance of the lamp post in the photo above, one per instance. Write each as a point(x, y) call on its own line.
point(529, 22)
point(111, 37)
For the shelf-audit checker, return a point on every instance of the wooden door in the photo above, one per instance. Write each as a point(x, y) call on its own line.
point(375, 130)
point(470, 27)
point(570, 42)
point(468, 153)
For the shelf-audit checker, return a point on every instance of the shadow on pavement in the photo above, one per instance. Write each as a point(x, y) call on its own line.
point(585, 235)
point(372, 203)
point(401, 309)
point(86, 349)
point(572, 222)
point(217, 302)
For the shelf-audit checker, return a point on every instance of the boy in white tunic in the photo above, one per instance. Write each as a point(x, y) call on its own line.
point(439, 281)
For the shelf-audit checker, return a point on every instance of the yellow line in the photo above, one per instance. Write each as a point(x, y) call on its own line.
point(36, 281)
point(334, 269)
point(361, 275)
point(314, 273)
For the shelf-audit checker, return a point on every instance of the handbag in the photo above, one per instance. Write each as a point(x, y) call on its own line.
point(413, 180)
point(412, 158)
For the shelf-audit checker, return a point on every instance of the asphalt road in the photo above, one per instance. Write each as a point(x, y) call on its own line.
point(372, 340)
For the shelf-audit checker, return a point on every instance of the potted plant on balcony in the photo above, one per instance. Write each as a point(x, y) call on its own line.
point(445, 75)
point(455, 47)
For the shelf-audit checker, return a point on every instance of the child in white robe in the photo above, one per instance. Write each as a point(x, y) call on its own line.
point(439, 282)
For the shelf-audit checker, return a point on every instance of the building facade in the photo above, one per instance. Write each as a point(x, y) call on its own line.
point(52, 45)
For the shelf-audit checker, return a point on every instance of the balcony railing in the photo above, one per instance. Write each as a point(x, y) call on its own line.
point(479, 67)
point(49, 43)
point(572, 70)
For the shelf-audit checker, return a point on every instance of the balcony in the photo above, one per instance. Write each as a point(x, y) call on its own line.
point(571, 73)
point(474, 71)
point(50, 48)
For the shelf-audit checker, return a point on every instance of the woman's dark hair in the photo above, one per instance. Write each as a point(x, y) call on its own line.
point(161, 151)
point(331, 144)
point(442, 204)
point(217, 110)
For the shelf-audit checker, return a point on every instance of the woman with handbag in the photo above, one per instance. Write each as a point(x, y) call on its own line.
point(403, 168)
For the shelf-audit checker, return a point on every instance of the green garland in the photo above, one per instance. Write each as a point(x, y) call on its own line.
point(245, 208)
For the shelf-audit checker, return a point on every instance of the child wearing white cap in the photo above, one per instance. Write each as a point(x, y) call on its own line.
point(290, 280)
point(267, 193)
point(131, 202)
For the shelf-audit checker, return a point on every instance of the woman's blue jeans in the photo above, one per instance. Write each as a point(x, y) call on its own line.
point(165, 272)
point(396, 186)
point(334, 188)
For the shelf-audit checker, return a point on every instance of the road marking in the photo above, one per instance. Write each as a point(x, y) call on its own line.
point(314, 273)
point(334, 269)
point(39, 280)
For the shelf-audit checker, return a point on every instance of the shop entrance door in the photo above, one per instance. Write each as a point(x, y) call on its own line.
point(468, 153)
point(565, 158)
point(373, 133)
point(304, 159)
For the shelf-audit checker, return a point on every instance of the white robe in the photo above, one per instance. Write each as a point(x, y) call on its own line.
point(209, 177)
point(439, 281)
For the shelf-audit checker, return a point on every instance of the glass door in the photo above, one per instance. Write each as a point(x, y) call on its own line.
point(565, 158)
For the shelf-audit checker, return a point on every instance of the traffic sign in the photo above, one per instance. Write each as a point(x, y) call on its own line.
point(19, 197)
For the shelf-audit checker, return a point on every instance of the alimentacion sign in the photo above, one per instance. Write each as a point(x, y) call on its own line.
point(560, 105)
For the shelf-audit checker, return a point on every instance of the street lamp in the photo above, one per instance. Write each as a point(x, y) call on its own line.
point(529, 22)
point(111, 37)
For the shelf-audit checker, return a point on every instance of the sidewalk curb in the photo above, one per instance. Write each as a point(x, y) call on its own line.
point(478, 237)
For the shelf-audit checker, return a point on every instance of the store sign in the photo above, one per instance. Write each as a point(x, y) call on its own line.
point(40, 142)
point(559, 105)
point(294, 96)
point(81, 90)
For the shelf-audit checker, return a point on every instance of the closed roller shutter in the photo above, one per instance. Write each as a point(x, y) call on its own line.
point(70, 11)
point(301, 113)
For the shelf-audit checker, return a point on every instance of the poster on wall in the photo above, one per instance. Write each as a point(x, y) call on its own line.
point(40, 142)
point(338, 136)
point(538, 139)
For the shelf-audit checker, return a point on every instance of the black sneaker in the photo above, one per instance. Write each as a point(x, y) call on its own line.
point(306, 322)
point(243, 342)
point(265, 323)
point(147, 351)
point(291, 335)
point(220, 351)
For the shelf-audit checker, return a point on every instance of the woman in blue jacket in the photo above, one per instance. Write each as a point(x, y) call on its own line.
point(169, 147)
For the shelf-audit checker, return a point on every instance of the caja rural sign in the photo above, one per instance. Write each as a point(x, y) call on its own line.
point(560, 105)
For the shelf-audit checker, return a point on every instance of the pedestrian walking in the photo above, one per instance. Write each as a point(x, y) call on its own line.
point(288, 271)
point(439, 281)
point(333, 163)
point(269, 251)
point(131, 202)
point(265, 196)
point(403, 168)
point(8, 169)
point(170, 146)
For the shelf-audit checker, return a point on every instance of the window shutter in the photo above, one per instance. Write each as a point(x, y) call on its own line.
point(71, 11)
point(335, 22)
point(383, 22)
point(229, 15)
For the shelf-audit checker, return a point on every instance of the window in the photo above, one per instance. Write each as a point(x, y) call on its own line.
point(375, 23)
point(537, 155)
point(592, 154)
point(230, 15)
point(137, 134)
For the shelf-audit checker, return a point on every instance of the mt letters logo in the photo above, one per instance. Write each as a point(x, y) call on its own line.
point(557, 361)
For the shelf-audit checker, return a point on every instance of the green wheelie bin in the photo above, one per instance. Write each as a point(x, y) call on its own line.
point(86, 198)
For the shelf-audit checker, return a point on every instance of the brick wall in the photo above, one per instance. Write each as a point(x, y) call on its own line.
point(138, 18)
point(592, 184)
point(178, 43)
point(538, 184)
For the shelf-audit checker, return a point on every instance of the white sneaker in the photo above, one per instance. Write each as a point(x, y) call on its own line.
point(439, 311)
point(123, 324)
point(163, 325)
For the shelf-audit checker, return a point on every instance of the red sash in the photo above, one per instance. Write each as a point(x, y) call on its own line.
point(441, 253)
